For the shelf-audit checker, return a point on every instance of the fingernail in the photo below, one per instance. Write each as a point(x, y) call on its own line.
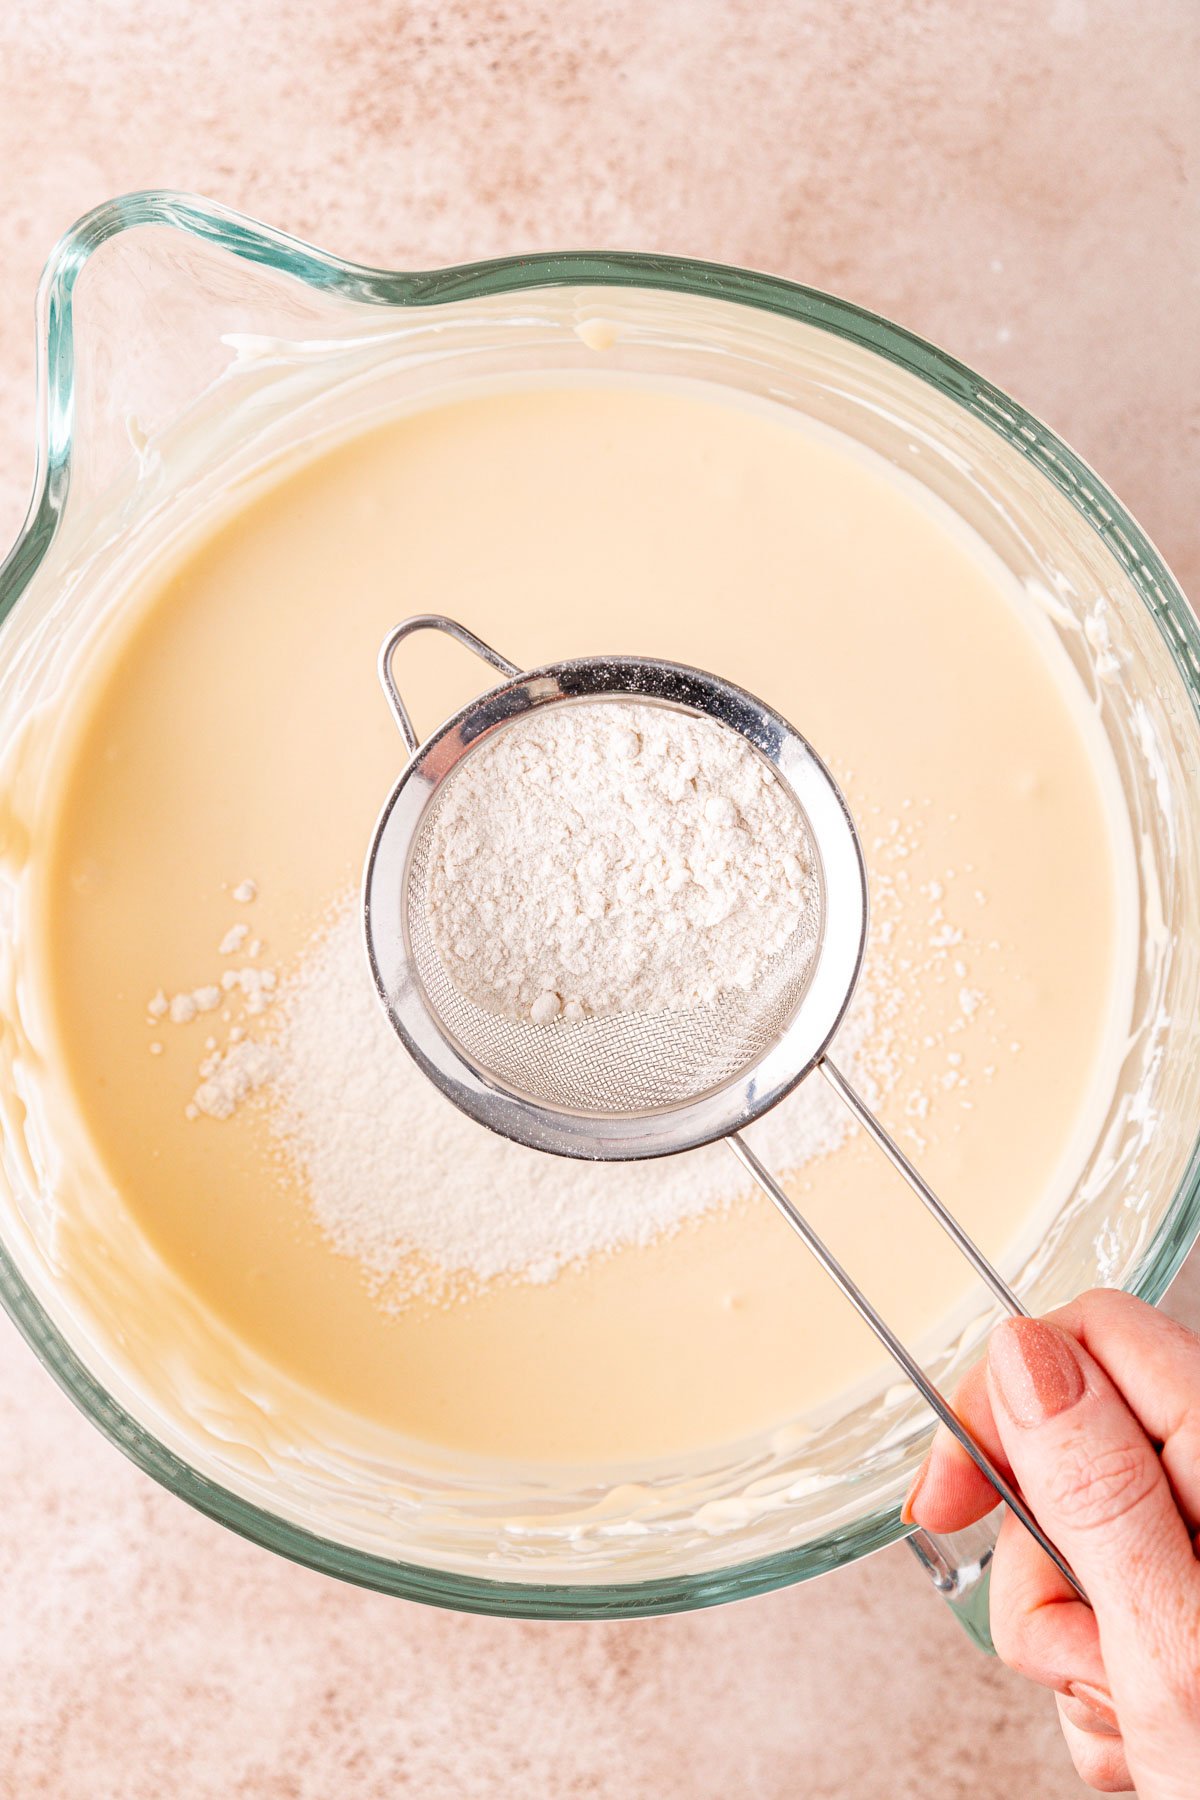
point(906, 1511)
point(1098, 1699)
point(1036, 1370)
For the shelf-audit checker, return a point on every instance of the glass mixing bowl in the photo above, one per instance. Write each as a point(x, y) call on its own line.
point(184, 350)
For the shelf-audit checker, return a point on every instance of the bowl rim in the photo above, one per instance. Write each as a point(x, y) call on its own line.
point(256, 243)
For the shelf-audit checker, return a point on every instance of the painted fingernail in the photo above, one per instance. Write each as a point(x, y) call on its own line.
point(1097, 1700)
point(1036, 1370)
point(906, 1511)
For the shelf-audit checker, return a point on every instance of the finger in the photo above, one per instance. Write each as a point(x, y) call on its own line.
point(1099, 1759)
point(949, 1490)
point(1155, 1364)
point(1152, 1360)
point(1091, 1476)
point(1039, 1627)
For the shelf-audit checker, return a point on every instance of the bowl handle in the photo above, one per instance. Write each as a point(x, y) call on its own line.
point(959, 1565)
point(145, 305)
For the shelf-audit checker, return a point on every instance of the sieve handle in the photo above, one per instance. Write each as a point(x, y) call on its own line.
point(429, 622)
point(921, 1188)
point(916, 1374)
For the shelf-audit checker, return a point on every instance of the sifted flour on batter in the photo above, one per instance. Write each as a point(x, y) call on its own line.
point(404, 1182)
point(430, 1204)
point(614, 856)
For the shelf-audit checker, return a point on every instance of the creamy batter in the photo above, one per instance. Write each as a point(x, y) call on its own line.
point(231, 729)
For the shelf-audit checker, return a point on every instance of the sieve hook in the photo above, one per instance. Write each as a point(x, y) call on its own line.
point(430, 622)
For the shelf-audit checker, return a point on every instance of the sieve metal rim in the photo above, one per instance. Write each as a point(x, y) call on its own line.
point(666, 1130)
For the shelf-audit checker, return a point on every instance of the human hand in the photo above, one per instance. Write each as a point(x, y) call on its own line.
point(1095, 1413)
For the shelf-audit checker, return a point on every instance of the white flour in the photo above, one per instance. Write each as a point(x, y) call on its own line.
point(607, 857)
point(395, 1172)
point(227, 1077)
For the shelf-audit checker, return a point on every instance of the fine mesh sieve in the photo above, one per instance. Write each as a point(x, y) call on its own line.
point(634, 1085)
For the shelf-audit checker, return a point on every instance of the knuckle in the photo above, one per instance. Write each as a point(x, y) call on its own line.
point(1094, 1489)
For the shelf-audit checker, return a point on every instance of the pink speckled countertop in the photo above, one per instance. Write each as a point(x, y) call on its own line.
point(1019, 183)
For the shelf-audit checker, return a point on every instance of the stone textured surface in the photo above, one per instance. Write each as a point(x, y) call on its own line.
point(1019, 183)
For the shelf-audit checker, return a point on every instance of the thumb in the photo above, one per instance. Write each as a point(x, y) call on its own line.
point(1093, 1478)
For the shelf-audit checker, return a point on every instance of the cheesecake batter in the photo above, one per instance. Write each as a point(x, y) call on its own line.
point(217, 790)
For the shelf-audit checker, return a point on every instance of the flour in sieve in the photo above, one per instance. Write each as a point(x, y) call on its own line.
point(615, 856)
point(401, 1180)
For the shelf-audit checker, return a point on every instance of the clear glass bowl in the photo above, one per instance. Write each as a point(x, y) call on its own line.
point(183, 348)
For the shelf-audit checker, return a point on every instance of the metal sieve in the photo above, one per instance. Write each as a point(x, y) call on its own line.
point(638, 1084)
